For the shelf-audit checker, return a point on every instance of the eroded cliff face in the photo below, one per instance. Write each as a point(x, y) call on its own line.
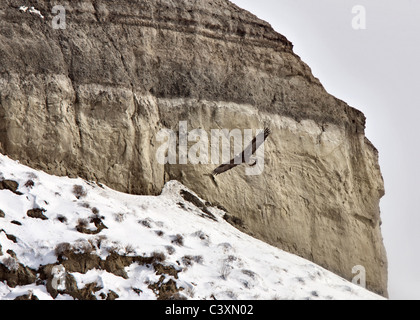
point(89, 101)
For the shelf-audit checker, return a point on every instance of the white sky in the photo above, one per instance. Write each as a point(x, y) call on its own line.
point(377, 71)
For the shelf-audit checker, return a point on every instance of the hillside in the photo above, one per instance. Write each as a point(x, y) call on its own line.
point(72, 239)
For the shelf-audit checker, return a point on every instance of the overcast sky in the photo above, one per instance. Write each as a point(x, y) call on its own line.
point(376, 70)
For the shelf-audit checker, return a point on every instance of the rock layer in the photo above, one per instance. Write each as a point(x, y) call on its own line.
point(89, 101)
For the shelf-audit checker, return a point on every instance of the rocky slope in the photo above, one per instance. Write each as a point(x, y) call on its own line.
point(72, 239)
point(89, 101)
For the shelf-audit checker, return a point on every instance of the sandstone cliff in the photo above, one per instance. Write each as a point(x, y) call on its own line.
point(89, 101)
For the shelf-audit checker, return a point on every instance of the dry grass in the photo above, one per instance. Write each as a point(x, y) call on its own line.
point(178, 240)
point(79, 191)
point(171, 250)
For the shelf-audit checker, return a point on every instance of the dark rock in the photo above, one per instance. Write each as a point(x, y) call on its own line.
point(37, 214)
point(10, 185)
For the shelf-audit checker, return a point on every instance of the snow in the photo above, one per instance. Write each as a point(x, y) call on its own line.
point(31, 10)
point(216, 259)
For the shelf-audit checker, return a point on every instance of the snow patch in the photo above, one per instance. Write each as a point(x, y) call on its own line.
point(145, 243)
point(31, 10)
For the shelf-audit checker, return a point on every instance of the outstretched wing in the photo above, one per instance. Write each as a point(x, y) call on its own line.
point(255, 145)
point(244, 156)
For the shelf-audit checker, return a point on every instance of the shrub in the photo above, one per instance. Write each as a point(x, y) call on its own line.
point(82, 223)
point(225, 270)
point(119, 217)
point(61, 218)
point(300, 280)
point(11, 263)
point(200, 234)
point(79, 191)
point(29, 184)
point(63, 249)
point(231, 258)
point(145, 223)
point(31, 175)
point(235, 221)
point(171, 250)
point(188, 261)
point(249, 273)
point(85, 205)
point(232, 295)
point(96, 218)
point(189, 291)
point(158, 256)
point(97, 241)
point(129, 249)
point(178, 240)
point(160, 233)
point(198, 259)
point(82, 247)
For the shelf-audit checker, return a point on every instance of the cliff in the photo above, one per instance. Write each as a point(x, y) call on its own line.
point(90, 99)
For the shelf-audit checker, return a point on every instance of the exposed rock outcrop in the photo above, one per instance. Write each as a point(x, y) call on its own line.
point(89, 101)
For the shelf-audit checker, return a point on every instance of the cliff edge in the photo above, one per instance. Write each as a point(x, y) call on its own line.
point(89, 100)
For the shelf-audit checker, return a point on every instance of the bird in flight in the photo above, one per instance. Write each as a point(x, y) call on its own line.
point(243, 157)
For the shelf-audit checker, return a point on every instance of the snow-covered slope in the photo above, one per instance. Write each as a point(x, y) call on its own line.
point(68, 238)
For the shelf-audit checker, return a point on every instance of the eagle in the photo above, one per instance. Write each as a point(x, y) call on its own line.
point(241, 158)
